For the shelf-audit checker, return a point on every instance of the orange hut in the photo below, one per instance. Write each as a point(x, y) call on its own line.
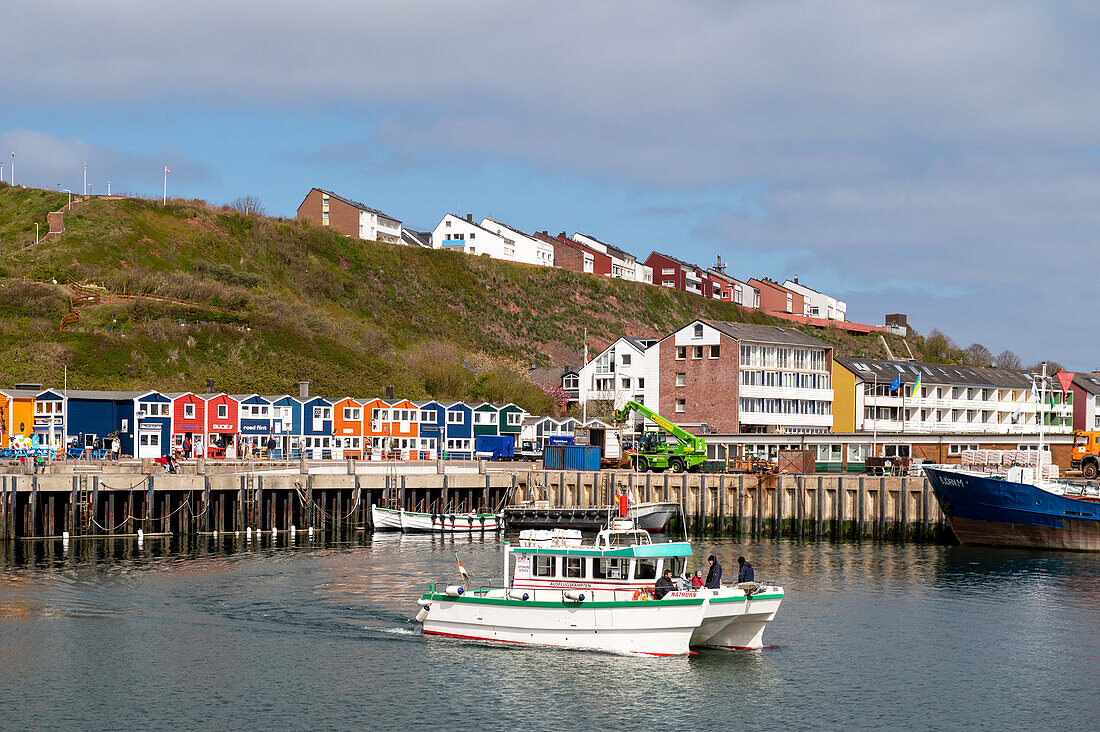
point(347, 429)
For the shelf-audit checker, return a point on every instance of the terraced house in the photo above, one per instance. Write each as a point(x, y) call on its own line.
point(949, 399)
point(349, 217)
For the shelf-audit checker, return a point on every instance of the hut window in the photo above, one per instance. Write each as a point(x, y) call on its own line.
point(189, 411)
point(223, 411)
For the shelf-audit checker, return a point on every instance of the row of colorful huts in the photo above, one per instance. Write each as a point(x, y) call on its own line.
point(228, 426)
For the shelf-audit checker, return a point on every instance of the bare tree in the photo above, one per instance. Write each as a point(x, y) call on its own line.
point(1008, 360)
point(978, 355)
point(248, 205)
point(939, 347)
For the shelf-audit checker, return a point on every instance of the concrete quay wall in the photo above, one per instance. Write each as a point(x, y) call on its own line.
point(101, 504)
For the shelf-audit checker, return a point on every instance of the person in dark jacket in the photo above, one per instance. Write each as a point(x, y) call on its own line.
point(664, 585)
point(714, 575)
point(744, 571)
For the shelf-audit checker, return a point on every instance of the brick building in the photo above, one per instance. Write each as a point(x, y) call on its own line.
point(575, 256)
point(775, 298)
point(736, 377)
point(348, 217)
point(677, 275)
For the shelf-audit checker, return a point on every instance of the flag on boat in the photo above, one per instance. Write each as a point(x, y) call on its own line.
point(895, 384)
point(462, 570)
point(916, 386)
point(1065, 378)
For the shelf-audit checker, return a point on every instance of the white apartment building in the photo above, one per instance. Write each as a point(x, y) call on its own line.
point(818, 304)
point(464, 235)
point(1086, 402)
point(624, 265)
point(950, 399)
point(520, 247)
point(377, 226)
point(626, 370)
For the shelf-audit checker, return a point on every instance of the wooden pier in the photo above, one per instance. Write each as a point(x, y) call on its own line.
point(105, 504)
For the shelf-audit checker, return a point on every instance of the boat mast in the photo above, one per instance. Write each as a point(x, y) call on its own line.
point(1039, 413)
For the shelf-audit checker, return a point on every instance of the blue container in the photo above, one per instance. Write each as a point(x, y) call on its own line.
point(553, 457)
point(580, 457)
point(495, 447)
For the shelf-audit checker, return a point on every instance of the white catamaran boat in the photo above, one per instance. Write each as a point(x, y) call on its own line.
point(395, 519)
point(600, 596)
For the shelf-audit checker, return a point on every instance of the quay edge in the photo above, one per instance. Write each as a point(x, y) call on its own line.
point(102, 504)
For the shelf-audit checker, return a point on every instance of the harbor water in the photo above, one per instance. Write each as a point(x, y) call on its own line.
point(318, 633)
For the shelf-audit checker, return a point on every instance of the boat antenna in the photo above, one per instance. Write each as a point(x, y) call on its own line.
point(1039, 413)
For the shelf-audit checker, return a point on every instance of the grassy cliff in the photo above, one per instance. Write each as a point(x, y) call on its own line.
point(256, 304)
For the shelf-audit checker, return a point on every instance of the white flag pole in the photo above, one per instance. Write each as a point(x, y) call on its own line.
point(85, 179)
point(164, 200)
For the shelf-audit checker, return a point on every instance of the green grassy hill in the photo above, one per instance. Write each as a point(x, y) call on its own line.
point(268, 302)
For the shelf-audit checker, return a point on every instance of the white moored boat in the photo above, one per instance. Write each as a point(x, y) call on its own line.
point(396, 519)
point(599, 596)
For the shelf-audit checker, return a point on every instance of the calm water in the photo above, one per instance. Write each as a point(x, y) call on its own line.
point(319, 635)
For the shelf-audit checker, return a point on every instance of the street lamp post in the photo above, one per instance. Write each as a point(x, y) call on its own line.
point(70, 203)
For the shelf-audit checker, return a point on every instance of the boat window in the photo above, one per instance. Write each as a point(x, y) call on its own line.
point(609, 568)
point(573, 567)
point(676, 564)
point(544, 566)
point(645, 569)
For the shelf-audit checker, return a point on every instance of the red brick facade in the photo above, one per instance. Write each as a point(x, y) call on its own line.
point(342, 217)
point(773, 298)
point(569, 254)
point(710, 384)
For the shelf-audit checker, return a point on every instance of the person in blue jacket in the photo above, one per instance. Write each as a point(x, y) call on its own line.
point(714, 574)
point(744, 571)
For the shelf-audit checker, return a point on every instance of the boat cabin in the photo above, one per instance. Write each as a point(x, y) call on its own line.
point(619, 563)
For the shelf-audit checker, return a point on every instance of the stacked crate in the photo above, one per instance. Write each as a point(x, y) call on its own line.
point(999, 461)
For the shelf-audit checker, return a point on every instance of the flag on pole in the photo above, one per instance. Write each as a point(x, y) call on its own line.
point(895, 384)
point(586, 345)
point(167, 169)
point(916, 387)
point(462, 571)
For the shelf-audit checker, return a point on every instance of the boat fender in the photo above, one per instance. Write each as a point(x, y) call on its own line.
point(423, 613)
point(574, 595)
point(455, 590)
point(519, 595)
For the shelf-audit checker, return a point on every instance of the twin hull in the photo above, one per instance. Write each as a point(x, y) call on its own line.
point(664, 627)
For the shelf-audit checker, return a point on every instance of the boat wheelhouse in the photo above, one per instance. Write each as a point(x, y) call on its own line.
point(600, 596)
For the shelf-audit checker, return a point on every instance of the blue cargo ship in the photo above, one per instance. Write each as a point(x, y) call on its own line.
point(991, 511)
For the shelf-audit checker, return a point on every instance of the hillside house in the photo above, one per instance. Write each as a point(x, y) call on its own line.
point(575, 256)
point(774, 298)
point(521, 247)
point(818, 304)
point(349, 217)
point(624, 265)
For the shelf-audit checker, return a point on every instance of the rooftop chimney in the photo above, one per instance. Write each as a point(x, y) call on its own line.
point(796, 279)
point(209, 386)
point(303, 389)
point(389, 393)
point(470, 218)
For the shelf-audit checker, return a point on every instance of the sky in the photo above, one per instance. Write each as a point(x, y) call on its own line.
point(939, 159)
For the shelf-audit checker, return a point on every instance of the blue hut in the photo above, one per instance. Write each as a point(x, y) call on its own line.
point(459, 432)
point(49, 419)
point(433, 424)
point(97, 415)
point(256, 423)
point(286, 425)
point(317, 427)
point(152, 430)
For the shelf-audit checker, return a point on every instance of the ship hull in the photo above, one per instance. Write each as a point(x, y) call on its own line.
point(990, 512)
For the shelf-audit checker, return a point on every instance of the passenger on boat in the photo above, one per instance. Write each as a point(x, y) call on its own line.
point(744, 571)
point(664, 585)
point(714, 575)
point(697, 579)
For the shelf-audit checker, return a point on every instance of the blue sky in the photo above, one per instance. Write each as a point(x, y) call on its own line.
point(920, 157)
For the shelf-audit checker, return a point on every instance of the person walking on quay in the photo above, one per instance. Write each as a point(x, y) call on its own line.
point(744, 571)
point(198, 448)
point(714, 575)
point(116, 448)
point(186, 448)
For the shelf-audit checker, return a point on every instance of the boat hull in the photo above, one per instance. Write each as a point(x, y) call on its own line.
point(652, 517)
point(413, 522)
point(990, 512)
point(660, 628)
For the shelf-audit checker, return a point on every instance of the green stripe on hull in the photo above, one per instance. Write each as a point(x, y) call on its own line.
point(571, 604)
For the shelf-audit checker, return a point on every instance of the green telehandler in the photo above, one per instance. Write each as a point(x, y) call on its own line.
point(654, 452)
